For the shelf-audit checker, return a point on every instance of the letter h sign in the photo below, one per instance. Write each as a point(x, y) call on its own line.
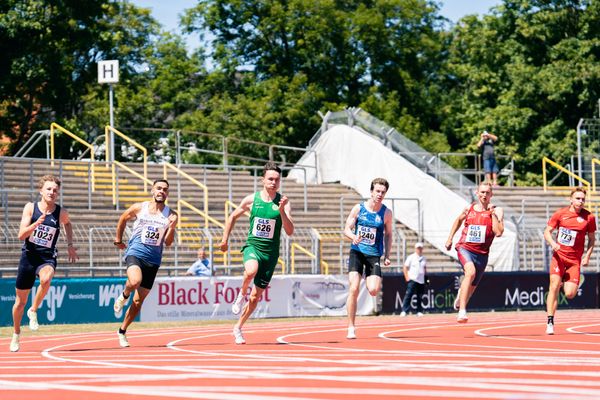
point(108, 71)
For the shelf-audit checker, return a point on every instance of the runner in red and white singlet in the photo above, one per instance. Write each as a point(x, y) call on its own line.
point(573, 223)
point(482, 223)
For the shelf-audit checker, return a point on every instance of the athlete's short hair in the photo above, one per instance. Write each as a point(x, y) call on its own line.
point(380, 181)
point(486, 183)
point(160, 180)
point(271, 166)
point(48, 178)
point(579, 189)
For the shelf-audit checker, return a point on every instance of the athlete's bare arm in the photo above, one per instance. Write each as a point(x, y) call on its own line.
point(66, 222)
point(245, 206)
point(26, 227)
point(285, 210)
point(128, 215)
point(549, 239)
point(457, 223)
point(170, 234)
point(498, 221)
point(387, 236)
point(350, 225)
point(591, 243)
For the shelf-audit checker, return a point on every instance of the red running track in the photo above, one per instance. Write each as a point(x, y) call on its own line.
point(494, 356)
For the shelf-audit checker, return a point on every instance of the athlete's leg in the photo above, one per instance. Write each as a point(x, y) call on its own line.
point(46, 274)
point(135, 306)
point(250, 306)
point(466, 286)
point(134, 279)
point(553, 291)
point(570, 289)
point(354, 283)
point(373, 284)
point(250, 270)
point(19, 308)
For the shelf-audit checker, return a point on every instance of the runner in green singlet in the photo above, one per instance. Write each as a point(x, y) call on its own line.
point(269, 211)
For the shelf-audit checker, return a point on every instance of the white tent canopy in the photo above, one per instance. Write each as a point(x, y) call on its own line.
point(353, 158)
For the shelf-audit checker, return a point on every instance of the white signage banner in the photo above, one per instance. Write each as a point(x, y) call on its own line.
point(189, 298)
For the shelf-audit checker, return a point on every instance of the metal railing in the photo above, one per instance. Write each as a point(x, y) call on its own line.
point(54, 126)
point(546, 161)
point(110, 157)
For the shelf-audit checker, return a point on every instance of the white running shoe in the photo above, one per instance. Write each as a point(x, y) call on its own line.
point(123, 342)
point(351, 333)
point(462, 317)
point(236, 307)
point(403, 314)
point(119, 303)
point(33, 322)
point(239, 338)
point(550, 329)
point(14, 343)
point(457, 300)
point(419, 314)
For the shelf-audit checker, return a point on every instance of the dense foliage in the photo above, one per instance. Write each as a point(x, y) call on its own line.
point(527, 71)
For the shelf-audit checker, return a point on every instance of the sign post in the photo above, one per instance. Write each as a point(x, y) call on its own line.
point(108, 72)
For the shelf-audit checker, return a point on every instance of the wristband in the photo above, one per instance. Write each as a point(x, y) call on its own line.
point(117, 243)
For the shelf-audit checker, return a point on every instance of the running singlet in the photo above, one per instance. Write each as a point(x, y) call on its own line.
point(369, 226)
point(43, 239)
point(265, 225)
point(572, 230)
point(148, 235)
point(477, 234)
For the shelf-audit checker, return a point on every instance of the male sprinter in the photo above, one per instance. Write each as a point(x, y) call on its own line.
point(269, 211)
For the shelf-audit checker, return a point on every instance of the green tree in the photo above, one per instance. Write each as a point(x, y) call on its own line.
point(527, 72)
point(49, 53)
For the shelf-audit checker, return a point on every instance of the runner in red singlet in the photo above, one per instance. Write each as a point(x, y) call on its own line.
point(482, 223)
point(574, 223)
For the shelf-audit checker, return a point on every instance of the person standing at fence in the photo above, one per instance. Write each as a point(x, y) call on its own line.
point(369, 227)
point(573, 223)
point(415, 269)
point(269, 212)
point(490, 166)
point(39, 228)
point(154, 227)
point(483, 221)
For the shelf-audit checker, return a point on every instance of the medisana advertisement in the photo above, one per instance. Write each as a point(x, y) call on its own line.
point(76, 300)
point(496, 291)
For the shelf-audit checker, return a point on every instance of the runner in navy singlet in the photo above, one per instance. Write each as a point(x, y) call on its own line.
point(39, 229)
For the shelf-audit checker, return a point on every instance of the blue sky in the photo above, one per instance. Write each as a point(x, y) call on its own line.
point(167, 11)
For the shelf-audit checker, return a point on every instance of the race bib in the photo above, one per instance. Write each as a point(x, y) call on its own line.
point(43, 236)
point(152, 235)
point(566, 237)
point(263, 228)
point(367, 233)
point(476, 234)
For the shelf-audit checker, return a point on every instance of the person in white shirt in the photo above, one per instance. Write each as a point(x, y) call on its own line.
point(201, 267)
point(415, 268)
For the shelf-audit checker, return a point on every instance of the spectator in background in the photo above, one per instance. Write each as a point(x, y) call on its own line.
point(490, 167)
point(201, 267)
point(415, 268)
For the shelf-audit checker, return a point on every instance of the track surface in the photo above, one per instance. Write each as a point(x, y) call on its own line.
point(494, 356)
